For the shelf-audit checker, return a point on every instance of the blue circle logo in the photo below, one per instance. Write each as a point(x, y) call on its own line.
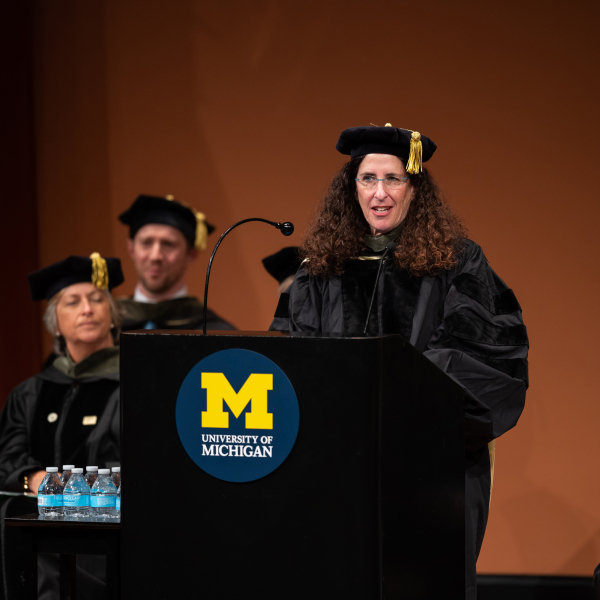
point(237, 415)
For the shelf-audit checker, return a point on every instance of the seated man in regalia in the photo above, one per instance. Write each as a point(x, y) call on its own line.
point(165, 238)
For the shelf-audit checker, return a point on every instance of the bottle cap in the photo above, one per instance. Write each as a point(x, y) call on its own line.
point(93, 469)
point(103, 471)
point(116, 469)
point(68, 467)
point(51, 469)
point(77, 470)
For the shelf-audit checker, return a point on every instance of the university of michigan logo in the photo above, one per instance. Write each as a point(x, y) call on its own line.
point(237, 415)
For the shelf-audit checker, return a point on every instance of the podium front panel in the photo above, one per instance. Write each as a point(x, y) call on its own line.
point(368, 504)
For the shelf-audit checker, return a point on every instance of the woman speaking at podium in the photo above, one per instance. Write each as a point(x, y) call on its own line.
point(384, 255)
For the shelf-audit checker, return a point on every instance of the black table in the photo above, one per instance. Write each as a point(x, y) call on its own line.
point(68, 538)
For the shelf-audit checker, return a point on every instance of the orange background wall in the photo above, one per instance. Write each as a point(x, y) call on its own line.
point(235, 108)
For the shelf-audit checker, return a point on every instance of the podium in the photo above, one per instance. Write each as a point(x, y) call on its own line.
point(368, 502)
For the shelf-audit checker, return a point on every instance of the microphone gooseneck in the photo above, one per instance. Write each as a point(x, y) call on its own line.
point(286, 229)
point(390, 247)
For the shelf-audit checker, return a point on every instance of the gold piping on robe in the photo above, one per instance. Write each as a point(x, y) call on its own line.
point(177, 322)
point(355, 258)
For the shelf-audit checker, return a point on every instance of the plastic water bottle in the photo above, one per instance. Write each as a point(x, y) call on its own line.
point(119, 502)
point(50, 494)
point(91, 475)
point(104, 497)
point(66, 474)
point(116, 476)
point(76, 496)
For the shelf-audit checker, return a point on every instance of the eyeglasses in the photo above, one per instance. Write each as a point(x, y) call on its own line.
point(393, 183)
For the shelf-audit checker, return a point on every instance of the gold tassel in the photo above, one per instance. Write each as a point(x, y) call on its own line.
point(201, 231)
point(415, 159)
point(99, 271)
point(201, 228)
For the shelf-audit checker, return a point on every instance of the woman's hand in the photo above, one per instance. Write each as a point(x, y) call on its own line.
point(33, 481)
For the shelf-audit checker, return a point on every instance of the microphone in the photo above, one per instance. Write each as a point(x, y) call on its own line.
point(390, 247)
point(286, 229)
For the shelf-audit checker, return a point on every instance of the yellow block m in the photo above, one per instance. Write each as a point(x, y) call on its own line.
point(218, 389)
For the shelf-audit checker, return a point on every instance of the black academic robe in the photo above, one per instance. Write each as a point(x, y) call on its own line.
point(43, 423)
point(68, 416)
point(179, 313)
point(465, 320)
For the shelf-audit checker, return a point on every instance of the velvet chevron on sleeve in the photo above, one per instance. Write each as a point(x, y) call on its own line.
point(481, 342)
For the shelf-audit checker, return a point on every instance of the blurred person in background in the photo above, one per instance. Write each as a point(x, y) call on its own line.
point(165, 238)
point(283, 266)
point(68, 413)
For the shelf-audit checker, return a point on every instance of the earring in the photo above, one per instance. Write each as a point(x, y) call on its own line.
point(57, 333)
point(112, 325)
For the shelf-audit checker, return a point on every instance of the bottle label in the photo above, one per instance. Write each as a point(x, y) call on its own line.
point(103, 501)
point(50, 500)
point(76, 499)
point(118, 503)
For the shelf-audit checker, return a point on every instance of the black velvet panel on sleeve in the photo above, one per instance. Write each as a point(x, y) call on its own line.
point(517, 368)
point(473, 329)
point(497, 304)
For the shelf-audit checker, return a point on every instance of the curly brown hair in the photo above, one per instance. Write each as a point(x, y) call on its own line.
point(432, 238)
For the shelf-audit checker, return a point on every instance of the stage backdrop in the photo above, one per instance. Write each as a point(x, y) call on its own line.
point(235, 108)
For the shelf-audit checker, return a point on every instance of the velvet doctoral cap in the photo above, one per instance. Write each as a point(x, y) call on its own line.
point(410, 146)
point(104, 273)
point(282, 264)
point(165, 210)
